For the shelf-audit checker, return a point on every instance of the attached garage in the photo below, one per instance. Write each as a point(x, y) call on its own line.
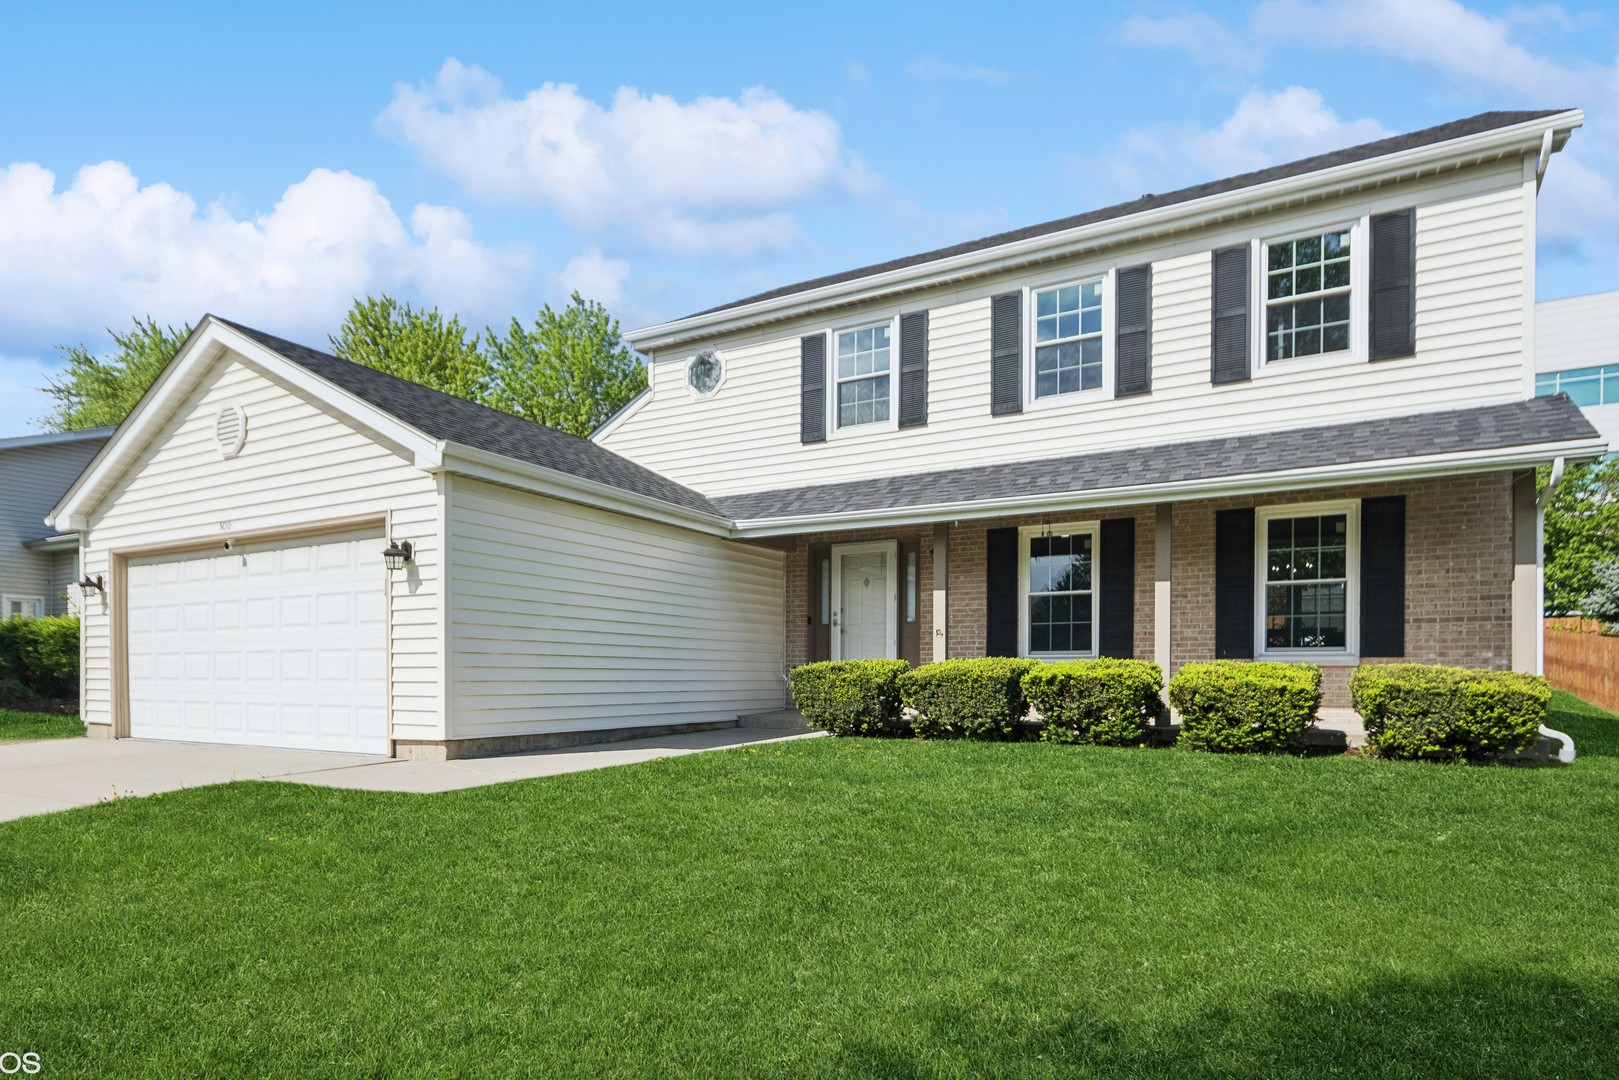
point(546, 590)
point(279, 644)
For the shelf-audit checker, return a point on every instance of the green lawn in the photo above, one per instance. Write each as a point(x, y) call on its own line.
point(839, 908)
point(22, 724)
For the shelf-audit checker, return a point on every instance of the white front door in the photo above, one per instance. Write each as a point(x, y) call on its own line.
point(271, 645)
point(864, 601)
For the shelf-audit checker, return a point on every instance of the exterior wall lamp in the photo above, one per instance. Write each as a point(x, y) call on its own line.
point(98, 583)
point(397, 554)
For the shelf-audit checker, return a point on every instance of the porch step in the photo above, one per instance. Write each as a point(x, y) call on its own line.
point(778, 720)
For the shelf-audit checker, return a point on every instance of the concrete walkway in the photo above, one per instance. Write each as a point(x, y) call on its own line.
point(58, 774)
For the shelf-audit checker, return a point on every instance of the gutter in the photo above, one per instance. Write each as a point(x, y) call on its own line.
point(1565, 752)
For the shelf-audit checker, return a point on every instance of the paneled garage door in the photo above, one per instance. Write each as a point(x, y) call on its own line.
point(274, 645)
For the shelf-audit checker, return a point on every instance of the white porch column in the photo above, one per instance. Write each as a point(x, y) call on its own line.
point(1161, 580)
point(1527, 623)
point(941, 592)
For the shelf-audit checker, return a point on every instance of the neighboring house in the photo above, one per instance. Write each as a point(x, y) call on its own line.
point(37, 564)
point(1577, 353)
point(1288, 415)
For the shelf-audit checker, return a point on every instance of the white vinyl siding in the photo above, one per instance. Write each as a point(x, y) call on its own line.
point(32, 479)
point(1472, 277)
point(301, 463)
point(568, 618)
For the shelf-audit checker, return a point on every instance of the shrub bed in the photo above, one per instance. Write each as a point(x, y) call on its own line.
point(41, 654)
point(849, 697)
point(1433, 713)
point(1244, 706)
point(979, 698)
point(1105, 702)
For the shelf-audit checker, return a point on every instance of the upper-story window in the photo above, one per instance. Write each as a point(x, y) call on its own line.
point(1584, 386)
point(862, 366)
point(1068, 338)
point(1307, 294)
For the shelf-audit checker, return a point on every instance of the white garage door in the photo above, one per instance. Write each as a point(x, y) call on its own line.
point(276, 645)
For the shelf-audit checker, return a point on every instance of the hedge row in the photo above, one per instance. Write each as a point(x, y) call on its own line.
point(39, 657)
point(1109, 702)
point(1227, 706)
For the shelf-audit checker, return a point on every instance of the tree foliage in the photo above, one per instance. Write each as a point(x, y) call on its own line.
point(99, 391)
point(420, 345)
point(571, 370)
point(1582, 531)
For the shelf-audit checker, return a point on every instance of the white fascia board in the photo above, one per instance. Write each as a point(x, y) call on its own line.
point(1484, 146)
point(201, 350)
point(1365, 472)
point(20, 442)
point(509, 472)
point(634, 406)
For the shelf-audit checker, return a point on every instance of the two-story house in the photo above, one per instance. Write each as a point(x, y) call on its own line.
point(37, 565)
point(1290, 415)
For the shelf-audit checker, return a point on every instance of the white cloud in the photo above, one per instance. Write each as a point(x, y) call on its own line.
point(934, 68)
point(1266, 128)
point(711, 176)
point(1201, 37)
point(1473, 49)
point(105, 249)
point(595, 277)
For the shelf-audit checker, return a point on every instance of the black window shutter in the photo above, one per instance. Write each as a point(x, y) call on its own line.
point(1006, 354)
point(1394, 285)
point(1229, 342)
point(1234, 584)
point(812, 389)
point(1132, 346)
point(1117, 567)
point(1382, 576)
point(1000, 595)
point(913, 369)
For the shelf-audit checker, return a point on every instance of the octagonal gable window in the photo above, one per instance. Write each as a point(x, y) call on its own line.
point(704, 373)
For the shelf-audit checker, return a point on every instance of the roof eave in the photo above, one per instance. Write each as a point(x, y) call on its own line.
point(1410, 468)
point(1453, 153)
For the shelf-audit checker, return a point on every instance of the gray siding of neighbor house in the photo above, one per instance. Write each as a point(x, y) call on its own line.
point(32, 479)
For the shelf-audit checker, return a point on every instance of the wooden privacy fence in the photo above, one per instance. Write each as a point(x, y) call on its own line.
point(1583, 660)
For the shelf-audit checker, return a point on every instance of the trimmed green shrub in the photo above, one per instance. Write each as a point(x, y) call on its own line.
point(1106, 702)
point(981, 697)
point(1433, 713)
point(1244, 706)
point(849, 697)
point(42, 654)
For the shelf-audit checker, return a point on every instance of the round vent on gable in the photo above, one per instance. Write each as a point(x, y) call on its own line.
point(230, 429)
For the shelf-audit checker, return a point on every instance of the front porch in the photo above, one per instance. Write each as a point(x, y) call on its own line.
point(1437, 570)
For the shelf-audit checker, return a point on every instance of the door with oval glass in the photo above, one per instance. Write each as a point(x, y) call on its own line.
point(865, 599)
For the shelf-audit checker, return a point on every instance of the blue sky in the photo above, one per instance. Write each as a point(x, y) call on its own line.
point(270, 162)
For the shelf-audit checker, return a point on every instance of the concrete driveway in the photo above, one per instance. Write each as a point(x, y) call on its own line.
point(58, 774)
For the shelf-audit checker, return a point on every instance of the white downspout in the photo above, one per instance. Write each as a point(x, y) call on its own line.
point(1545, 158)
point(1565, 753)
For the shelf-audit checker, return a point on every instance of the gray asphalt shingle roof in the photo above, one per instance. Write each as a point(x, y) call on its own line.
point(444, 416)
point(1490, 427)
point(1456, 129)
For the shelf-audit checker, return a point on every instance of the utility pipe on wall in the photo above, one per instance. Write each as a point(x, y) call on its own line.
point(1565, 753)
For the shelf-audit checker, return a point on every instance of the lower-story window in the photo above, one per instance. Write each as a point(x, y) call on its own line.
point(28, 606)
point(1308, 569)
point(1057, 574)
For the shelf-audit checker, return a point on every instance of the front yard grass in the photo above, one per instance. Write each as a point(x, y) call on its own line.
point(844, 907)
point(23, 724)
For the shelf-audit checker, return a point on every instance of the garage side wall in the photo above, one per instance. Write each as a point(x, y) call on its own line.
point(301, 463)
point(567, 618)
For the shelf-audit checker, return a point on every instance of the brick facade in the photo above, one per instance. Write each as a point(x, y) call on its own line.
point(1459, 565)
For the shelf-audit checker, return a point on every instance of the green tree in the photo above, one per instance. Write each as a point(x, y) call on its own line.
point(571, 370)
point(419, 345)
point(1582, 531)
point(99, 391)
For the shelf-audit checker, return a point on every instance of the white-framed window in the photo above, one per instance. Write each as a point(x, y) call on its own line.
point(863, 364)
point(1312, 296)
point(1066, 350)
point(31, 607)
point(1307, 575)
point(705, 371)
point(1057, 589)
